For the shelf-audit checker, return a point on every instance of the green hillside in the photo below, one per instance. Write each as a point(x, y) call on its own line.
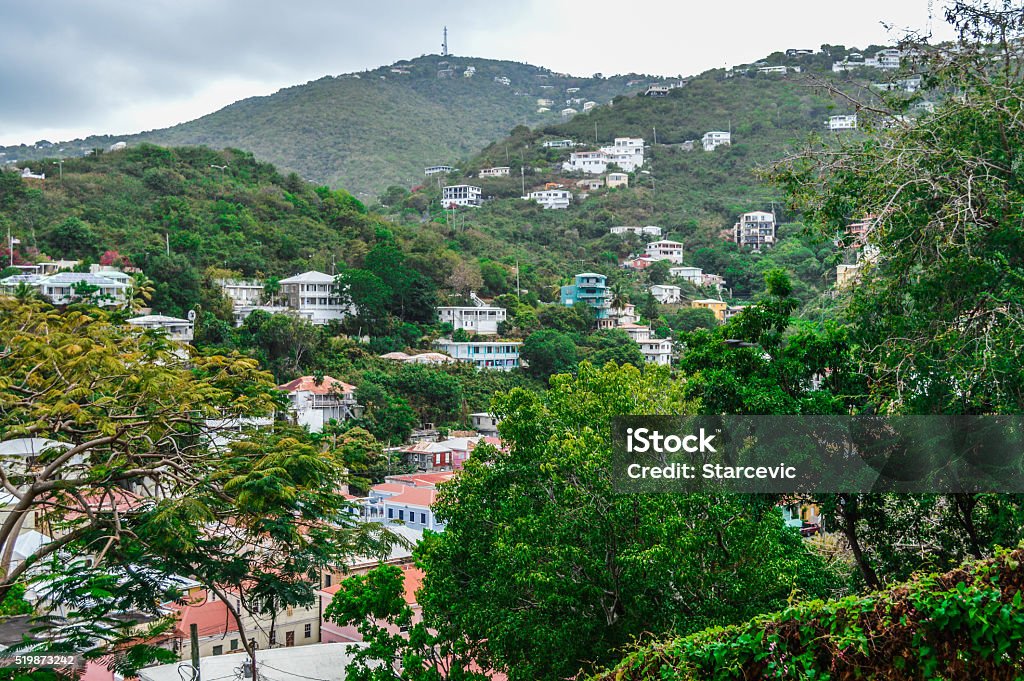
point(369, 130)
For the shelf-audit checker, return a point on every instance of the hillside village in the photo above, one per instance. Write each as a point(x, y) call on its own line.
point(427, 343)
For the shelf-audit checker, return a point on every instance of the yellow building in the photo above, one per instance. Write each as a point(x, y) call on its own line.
point(717, 306)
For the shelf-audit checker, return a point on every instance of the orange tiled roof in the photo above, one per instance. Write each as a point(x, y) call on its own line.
point(308, 384)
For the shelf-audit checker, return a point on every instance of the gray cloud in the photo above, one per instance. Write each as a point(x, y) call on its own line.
point(81, 64)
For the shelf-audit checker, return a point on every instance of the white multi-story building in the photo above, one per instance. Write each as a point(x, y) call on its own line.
point(314, 404)
point(477, 319)
point(666, 294)
point(461, 195)
point(694, 275)
point(626, 152)
point(665, 250)
point(177, 329)
point(436, 170)
point(569, 112)
point(588, 105)
point(498, 171)
point(314, 296)
point(755, 229)
point(499, 355)
point(242, 292)
point(842, 122)
point(648, 230)
point(552, 198)
point(65, 288)
point(716, 138)
point(654, 350)
point(594, 162)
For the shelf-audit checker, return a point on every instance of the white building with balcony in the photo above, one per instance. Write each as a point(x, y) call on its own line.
point(177, 329)
point(241, 292)
point(65, 288)
point(666, 294)
point(314, 296)
point(482, 320)
point(314, 404)
point(552, 198)
point(755, 230)
point(499, 355)
point(654, 350)
point(842, 122)
point(437, 170)
point(626, 152)
point(693, 275)
point(593, 162)
point(461, 195)
point(558, 144)
point(714, 139)
point(665, 250)
point(497, 171)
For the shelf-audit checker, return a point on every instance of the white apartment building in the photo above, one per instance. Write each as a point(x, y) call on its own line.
point(665, 250)
point(654, 350)
point(714, 139)
point(436, 170)
point(626, 152)
point(497, 355)
point(461, 195)
point(473, 319)
point(666, 294)
point(552, 198)
point(177, 329)
point(314, 296)
point(755, 229)
point(498, 171)
point(842, 122)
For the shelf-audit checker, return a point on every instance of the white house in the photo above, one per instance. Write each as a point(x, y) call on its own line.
point(714, 139)
point(552, 198)
point(436, 170)
point(626, 152)
point(314, 296)
point(843, 122)
point(65, 288)
point(648, 230)
point(477, 319)
point(241, 292)
point(558, 144)
point(654, 350)
point(314, 404)
point(485, 423)
point(694, 275)
point(665, 250)
point(461, 195)
point(500, 355)
point(594, 162)
point(588, 105)
point(503, 80)
point(497, 171)
point(177, 329)
point(617, 180)
point(569, 112)
point(545, 102)
point(666, 294)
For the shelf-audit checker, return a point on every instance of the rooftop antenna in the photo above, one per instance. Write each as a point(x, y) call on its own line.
point(444, 43)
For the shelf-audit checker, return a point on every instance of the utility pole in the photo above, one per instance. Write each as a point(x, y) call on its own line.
point(60, 166)
point(444, 43)
point(193, 635)
point(518, 289)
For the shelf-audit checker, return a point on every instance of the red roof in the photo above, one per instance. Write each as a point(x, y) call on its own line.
point(412, 582)
point(309, 384)
point(422, 479)
point(211, 617)
point(414, 496)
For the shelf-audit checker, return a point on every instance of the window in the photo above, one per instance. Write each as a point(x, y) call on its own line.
point(234, 644)
point(401, 515)
point(218, 650)
point(327, 580)
point(307, 632)
point(391, 513)
point(423, 518)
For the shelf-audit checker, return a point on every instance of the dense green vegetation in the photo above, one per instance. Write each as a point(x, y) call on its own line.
point(376, 128)
point(962, 625)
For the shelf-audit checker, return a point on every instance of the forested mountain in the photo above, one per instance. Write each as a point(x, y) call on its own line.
point(367, 130)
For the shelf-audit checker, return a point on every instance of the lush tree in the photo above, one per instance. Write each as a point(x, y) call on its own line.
point(544, 570)
point(74, 238)
point(548, 352)
point(613, 345)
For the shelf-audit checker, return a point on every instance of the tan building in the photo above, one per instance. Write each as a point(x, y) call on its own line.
point(719, 307)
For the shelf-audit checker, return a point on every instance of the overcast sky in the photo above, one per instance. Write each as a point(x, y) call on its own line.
point(70, 68)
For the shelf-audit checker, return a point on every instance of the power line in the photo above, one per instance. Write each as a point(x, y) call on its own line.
point(301, 676)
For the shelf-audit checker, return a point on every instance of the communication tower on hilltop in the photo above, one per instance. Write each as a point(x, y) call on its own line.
point(444, 43)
